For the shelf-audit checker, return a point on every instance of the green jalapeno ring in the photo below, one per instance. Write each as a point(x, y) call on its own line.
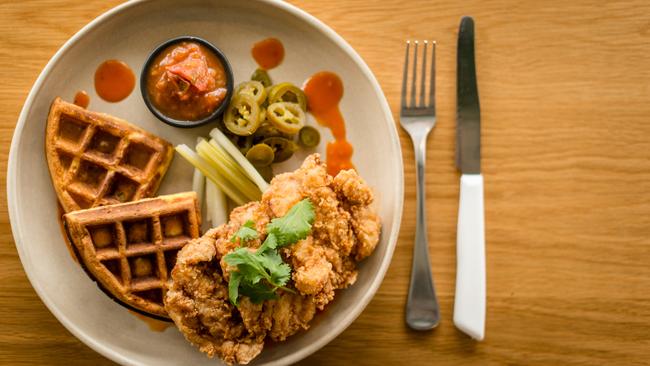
point(260, 155)
point(266, 172)
point(287, 92)
point(243, 143)
point(308, 136)
point(262, 76)
point(253, 88)
point(282, 147)
point(286, 117)
point(242, 115)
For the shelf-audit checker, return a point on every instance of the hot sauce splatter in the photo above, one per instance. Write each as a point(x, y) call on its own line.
point(81, 99)
point(114, 80)
point(268, 53)
point(324, 90)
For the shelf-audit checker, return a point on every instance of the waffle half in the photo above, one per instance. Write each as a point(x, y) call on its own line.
point(130, 248)
point(96, 159)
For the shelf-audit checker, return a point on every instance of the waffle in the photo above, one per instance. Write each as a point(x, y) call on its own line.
point(96, 159)
point(130, 248)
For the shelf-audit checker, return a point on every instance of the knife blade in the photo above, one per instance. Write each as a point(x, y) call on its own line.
point(468, 114)
point(469, 302)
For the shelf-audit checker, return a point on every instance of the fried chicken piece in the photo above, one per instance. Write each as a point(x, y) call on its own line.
point(358, 197)
point(197, 302)
point(314, 271)
point(351, 188)
point(276, 318)
point(366, 226)
point(279, 318)
point(345, 230)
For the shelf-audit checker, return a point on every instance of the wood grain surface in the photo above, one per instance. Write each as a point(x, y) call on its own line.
point(565, 97)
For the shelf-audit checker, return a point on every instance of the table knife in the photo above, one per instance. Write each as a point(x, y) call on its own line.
point(469, 303)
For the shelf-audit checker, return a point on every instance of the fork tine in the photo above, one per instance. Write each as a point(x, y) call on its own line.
point(423, 79)
point(432, 82)
point(413, 102)
point(406, 67)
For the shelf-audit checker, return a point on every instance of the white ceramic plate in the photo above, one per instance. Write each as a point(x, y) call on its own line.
point(129, 32)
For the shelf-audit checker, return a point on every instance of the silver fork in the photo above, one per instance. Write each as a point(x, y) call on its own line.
point(418, 119)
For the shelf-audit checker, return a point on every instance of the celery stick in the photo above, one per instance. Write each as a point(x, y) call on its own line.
point(250, 170)
point(209, 197)
point(235, 177)
point(198, 183)
point(218, 155)
point(226, 159)
point(226, 156)
point(211, 173)
point(218, 213)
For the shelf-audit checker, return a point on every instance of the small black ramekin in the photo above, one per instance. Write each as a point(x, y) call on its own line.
point(180, 123)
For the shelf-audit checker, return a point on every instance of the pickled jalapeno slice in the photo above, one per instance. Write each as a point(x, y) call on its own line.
point(287, 92)
point(243, 143)
point(262, 76)
point(253, 88)
point(286, 117)
point(260, 155)
point(282, 147)
point(242, 116)
point(308, 136)
point(266, 172)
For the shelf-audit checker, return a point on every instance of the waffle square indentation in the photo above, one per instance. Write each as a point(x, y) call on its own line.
point(138, 232)
point(91, 175)
point(104, 237)
point(103, 143)
point(143, 267)
point(122, 188)
point(65, 159)
point(138, 156)
point(174, 226)
point(71, 130)
point(113, 266)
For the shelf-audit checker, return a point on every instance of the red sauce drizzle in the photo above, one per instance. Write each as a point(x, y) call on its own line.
point(114, 80)
point(324, 90)
point(268, 53)
point(82, 99)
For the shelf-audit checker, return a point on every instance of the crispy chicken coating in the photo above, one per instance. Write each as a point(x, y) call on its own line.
point(198, 303)
point(345, 230)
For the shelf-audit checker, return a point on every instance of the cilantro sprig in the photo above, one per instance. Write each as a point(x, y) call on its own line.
point(260, 273)
point(245, 233)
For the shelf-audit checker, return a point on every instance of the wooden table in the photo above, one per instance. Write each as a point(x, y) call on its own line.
point(565, 97)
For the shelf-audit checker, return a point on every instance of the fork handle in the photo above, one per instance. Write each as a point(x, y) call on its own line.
point(469, 304)
point(422, 310)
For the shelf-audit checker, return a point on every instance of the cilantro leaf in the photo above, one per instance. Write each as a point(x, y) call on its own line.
point(233, 286)
point(271, 242)
point(261, 272)
point(245, 233)
point(258, 274)
point(257, 293)
point(293, 226)
point(279, 271)
point(248, 264)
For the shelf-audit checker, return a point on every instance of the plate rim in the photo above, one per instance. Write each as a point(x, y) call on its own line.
point(109, 352)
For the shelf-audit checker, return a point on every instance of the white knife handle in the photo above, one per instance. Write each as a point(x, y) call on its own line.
point(469, 304)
